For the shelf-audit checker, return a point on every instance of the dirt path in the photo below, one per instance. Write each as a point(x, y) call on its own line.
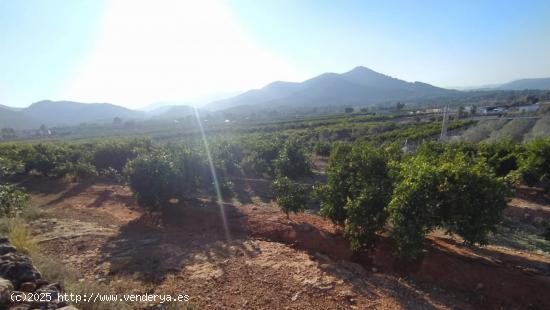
point(267, 263)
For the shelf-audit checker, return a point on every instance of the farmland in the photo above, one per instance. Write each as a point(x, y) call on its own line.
point(335, 211)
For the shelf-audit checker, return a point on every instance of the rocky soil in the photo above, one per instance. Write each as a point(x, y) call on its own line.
point(18, 276)
point(267, 261)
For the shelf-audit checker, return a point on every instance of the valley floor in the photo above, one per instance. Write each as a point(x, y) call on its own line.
point(270, 262)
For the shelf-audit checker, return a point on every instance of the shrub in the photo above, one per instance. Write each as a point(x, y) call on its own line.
point(322, 148)
point(534, 162)
point(501, 156)
point(357, 192)
point(290, 196)
point(9, 167)
point(42, 158)
point(255, 165)
point(189, 169)
point(152, 179)
point(292, 161)
point(227, 156)
point(259, 158)
point(370, 191)
point(115, 155)
point(12, 200)
point(334, 193)
point(452, 192)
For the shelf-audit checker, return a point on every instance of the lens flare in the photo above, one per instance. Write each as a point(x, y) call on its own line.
point(214, 177)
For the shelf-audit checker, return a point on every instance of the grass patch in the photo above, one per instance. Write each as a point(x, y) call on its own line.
point(20, 236)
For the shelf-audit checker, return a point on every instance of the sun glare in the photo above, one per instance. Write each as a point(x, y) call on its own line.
point(171, 50)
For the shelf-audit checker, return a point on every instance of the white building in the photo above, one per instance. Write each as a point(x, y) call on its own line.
point(529, 108)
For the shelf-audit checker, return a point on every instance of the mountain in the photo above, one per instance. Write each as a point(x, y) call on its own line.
point(542, 83)
point(161, 106)
point(197, 101)
point(360, 86)
point(53, 113)
point(273, 91)
point(173, 112)
point(12, 118)
point(56, 113)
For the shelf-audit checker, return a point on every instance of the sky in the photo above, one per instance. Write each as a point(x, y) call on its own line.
point(134, 53)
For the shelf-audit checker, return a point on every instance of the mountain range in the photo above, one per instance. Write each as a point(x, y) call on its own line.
point(358, 87)
point(542, 83)
point(59, 113)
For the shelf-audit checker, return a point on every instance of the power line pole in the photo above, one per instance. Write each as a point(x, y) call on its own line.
point(443, 137)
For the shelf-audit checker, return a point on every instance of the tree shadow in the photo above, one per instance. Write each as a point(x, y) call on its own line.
point(533, 194)
point(44, 185)
point(261, 188)
point(103, 197)
point(373, 286)
point(241, 191)
point(72, 191)
point(186, 233)
point(498, 258)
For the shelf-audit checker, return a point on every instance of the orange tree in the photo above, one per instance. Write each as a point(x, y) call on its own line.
point(455, 192)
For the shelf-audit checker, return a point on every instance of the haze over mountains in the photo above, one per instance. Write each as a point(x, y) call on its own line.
point(358, 87)
point(542, 83)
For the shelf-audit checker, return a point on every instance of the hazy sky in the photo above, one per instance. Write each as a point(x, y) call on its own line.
point(134, 53)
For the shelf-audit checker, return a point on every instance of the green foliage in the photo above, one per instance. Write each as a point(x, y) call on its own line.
point(292, 161)
point(190, 170)
point(322, 148)
point(357, 192)
point(370, 188)
point(452, 192)
point(152, 179)
point(43, 158)
point(534, 162)
point(12, 200)
point(228, 157)
point(80, 169)
point(501, 156)
point(115, 155)
point(334, 194)
point(290, 196)
point(259, 158)
point(9, 167)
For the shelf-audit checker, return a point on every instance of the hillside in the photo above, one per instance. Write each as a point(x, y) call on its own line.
point(14, 119)
point(69, 112)
point(172, 112)
point(360, 86)
point(542, 83)
point(56, 113)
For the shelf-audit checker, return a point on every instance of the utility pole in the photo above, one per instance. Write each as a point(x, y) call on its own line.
point(443, 137)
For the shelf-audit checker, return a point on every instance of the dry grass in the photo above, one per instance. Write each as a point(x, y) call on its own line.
point(52, 269)
point(20, 236)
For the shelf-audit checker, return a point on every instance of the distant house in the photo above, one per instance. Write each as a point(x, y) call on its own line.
point(529, 108)
point(493, 110)
point(434, 110)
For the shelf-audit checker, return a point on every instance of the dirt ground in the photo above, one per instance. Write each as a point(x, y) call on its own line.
point(266, 261)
